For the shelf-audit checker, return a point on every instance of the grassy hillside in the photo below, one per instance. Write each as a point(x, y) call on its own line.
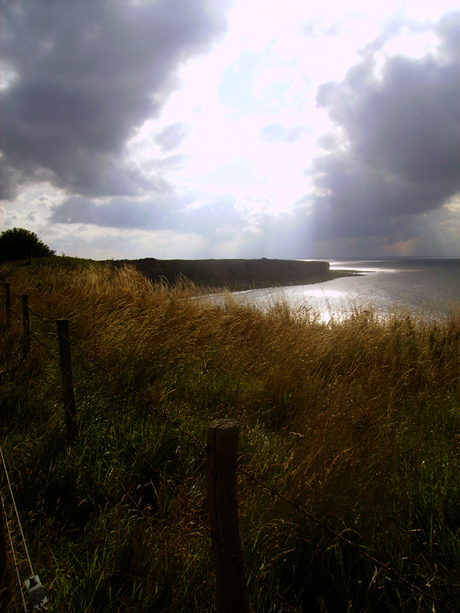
point(351, 429)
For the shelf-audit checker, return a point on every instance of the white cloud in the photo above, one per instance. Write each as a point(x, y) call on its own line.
point(202, 140)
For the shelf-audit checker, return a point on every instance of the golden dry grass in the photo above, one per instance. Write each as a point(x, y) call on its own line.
point(357, 421)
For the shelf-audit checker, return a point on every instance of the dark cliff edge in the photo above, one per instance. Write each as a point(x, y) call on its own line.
point(238, 274)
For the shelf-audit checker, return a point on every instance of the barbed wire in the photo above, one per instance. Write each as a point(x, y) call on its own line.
point(275, 492)
point(138, 508)
point(251, 476)
point(199, 520)
point(127, 385)
point(126, 491)
point(133, 501)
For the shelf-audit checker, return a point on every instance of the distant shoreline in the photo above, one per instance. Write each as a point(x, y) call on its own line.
point(237, 274)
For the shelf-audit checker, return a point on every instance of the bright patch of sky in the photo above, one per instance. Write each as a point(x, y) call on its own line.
point(227, 158)
point(264, 74)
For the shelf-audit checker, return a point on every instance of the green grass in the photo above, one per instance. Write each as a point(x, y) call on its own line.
point(356, 422)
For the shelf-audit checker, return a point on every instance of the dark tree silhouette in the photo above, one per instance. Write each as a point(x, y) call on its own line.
point(20, 244)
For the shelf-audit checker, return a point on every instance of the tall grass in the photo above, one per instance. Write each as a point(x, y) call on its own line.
point(356, 422)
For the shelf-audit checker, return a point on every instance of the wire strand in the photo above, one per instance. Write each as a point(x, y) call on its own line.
point(17, 513)
point(14, 554)
point(346, 541)
point(135, 504)
point(251, 476)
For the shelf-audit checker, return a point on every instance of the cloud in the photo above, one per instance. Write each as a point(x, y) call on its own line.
point(213, 218)
point(396, 153)
point(159, 212)
point(277, 133)
point(86, 74)
point(172, 136)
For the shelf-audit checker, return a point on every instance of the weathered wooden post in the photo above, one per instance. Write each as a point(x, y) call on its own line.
point(232, 595)
point(26, 324)
point(67, 379)
point(7, 305)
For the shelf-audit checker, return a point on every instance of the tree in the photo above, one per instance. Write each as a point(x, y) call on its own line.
point(20, 244)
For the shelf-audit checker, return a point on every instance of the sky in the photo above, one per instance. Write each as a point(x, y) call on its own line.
point(232, 128)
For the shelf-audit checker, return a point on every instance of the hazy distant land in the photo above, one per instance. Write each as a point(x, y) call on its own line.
point(237, 274)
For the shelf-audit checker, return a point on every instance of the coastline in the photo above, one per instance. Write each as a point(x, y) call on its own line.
point(237, 274)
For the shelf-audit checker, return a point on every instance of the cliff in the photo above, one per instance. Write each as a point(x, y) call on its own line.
point(234, 274)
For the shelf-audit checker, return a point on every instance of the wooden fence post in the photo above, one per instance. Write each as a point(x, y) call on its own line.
point(26, 324)
point(67, 379)
point(7, 305)
point(232, 595)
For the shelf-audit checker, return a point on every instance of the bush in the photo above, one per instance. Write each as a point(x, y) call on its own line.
point(20, 244)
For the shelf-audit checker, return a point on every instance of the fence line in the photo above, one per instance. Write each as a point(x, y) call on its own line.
point(275, 492)
point(65, 335)
point(198, 519)
point(251, 476)
point(166, 482)
point(135, 504)
point(65, 369)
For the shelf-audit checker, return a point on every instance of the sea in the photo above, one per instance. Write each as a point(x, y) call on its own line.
point(425, 287)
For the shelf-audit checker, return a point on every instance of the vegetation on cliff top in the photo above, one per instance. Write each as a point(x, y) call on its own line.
point(236, 274)
point(356, 421)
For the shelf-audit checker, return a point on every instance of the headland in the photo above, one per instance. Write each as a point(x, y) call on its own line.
point(236, 274)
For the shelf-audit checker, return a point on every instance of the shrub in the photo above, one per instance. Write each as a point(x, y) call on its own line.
point(21, 244)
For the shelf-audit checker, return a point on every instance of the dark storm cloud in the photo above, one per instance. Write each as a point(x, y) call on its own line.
point(119, 213)
point(400, 153)
point(164, 212)
point(86, 73)
point(277, 133)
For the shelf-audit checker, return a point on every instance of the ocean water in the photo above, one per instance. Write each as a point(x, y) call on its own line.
point(429, 287)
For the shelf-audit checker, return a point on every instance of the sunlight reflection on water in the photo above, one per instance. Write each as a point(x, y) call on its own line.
point(429, 288)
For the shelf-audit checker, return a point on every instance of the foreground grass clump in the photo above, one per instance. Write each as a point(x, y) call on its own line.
point(356, 424)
